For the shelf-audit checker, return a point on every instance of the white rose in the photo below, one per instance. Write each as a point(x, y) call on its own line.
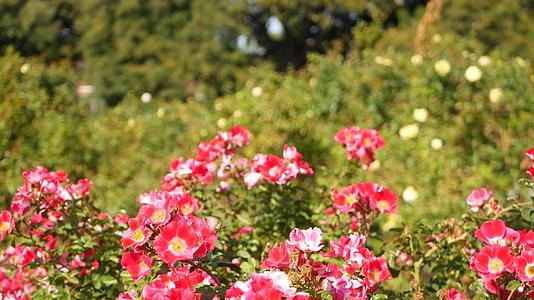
point(379, 60)
point(237, 114)
point(24, 68)
point(257, 91)
point(473, 74)
point(410, 194)
point(275, 28)
point(221, 122)
point(495, 95)
point(520, 61)
point(416, 59)
point(436, 143)
point(161, 112)
point(420, 115)
point(409, 131)
point(443, 67)
point(146, 97)
point(484, 61)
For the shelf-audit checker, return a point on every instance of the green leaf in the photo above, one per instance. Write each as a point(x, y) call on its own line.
point(108, 280)
point(513, 285)
point(74, 280)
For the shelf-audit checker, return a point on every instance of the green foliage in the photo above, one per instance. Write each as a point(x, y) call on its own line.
point(125, 149)
point(38, 114)
point(39, 27)
point(175, 49)
point(503, 25)
point(382, 92)
point(440, 249)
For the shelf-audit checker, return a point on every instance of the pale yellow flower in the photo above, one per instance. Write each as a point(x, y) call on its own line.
point(473, 74)
point(495, 95)
point(409, 131)
point(442, 67)
point(146, 97)
point(420, 115)
point(257, 91)
point(436, 143)
point(221, 122)
point(161, 112)
point(484, 61)
point(416, 59)
point(410, 194)
point(24, 68)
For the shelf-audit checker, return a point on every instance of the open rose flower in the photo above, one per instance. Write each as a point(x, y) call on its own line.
point(137, 233)
point(496, 233)
point(376, 270)
point(176, 241)
point(384, 200)
point(6, 223)
point(138, 264)
point(308, 240)
point(492, 261)
point(477, 198)
point(524, 265)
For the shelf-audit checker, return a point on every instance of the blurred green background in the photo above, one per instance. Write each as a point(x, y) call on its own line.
point(114, 90)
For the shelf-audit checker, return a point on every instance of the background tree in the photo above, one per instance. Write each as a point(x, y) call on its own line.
point(38, 27)
point(175, 49)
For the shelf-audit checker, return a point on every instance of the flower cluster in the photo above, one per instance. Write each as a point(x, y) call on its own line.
point(357, 277)
point(166, 233)
point(363, 202)
point(507, 255)
point(267, 285)
point(179, 283)
point(358, 196)
point(217, 158)
point(201, 169)
point(15, 275)
point(167, 230)
point(360, 143)
point(41, 206)
point(275, 169)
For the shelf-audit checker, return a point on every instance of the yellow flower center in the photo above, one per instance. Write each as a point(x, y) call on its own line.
point(177, 245)
point(530, 270)
point(186, 209)
point(495, 265)
point(4, 226)
point(366, 142)
point(143, 266)
point(382, 205)
point(158, 216)
point(138, 235)
point(350, 199)
point(497, 241)
point(374, 275)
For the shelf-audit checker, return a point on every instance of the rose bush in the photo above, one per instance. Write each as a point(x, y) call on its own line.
point(228, 224)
